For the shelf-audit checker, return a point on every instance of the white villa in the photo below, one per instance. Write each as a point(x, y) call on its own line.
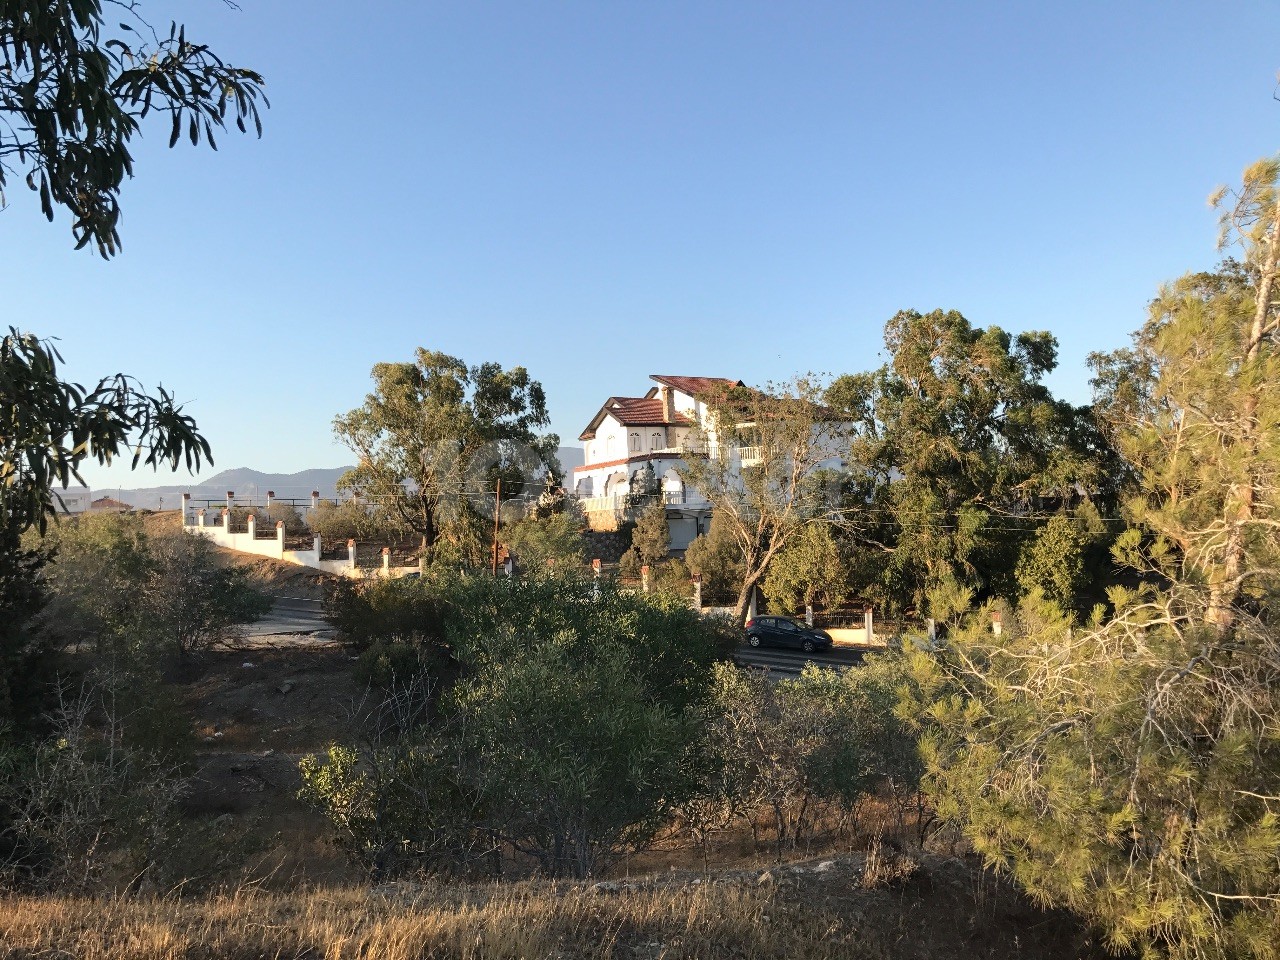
point(631, 436)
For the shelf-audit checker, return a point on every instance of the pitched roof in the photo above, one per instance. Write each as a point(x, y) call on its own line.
point(647, 411)
point(695, 385)
point(633, 412)
point(643, 412)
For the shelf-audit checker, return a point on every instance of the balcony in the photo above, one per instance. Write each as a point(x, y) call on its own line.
point(617, 503)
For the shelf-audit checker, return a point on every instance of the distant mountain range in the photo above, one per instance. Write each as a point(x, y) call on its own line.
point(249, 483)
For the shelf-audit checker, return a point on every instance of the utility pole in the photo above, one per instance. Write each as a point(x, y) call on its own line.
point(497, 513)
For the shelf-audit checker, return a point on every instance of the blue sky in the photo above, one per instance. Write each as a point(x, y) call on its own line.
point(600, 191)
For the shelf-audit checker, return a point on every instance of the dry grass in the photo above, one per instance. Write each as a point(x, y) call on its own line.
point(814, 910)
point(518, 921)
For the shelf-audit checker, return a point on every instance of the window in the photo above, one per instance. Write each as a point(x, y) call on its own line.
point(655, 441)
point(635, 442)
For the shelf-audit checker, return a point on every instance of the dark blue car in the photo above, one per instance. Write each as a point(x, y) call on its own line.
point(785, 632)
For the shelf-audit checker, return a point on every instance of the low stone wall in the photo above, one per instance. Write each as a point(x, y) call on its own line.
point(275, 547)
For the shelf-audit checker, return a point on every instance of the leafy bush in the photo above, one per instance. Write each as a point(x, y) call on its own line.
point(351, 520)
point(118, 590)
point(93, 800)
point(405, 610)
point(571, 734)
point(629, 565)
point(555, 536)
point(294, 524)
point(192, 602)
point(717, 557)
point(651, 537)
point(821, 740)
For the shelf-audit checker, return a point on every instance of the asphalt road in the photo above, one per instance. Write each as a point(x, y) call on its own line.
point(782, 660)
point(290, 615)
point(300, 615)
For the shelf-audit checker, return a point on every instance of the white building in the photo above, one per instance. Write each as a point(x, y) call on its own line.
point(631, 436)
point(72, 499)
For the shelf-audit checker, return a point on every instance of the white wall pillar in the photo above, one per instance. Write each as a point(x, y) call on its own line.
point(200, 519)
point(315, 499)
point(251, 523)
point(226, 520)
point(386, 561)
point(280, 536)
point(186, 507)
point(868, 623)
point(231, 499)
point(271, 495)
point(316, 545)
point(351, 554)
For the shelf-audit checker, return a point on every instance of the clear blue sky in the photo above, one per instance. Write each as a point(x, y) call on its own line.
point(600, 191)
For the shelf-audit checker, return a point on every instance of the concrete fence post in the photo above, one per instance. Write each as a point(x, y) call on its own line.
point(386, 561)
point(186, 507)
point(997, 623)
point(200, 519)
point(251, 524)
point(280, 536)
point(271, 495)
point(231, 499)
point(315, 499)
point(868, 623)
point(316, 545)
point(351, 554)
point(226, 520)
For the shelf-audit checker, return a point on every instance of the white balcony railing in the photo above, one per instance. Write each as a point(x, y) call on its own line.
point(616, 503)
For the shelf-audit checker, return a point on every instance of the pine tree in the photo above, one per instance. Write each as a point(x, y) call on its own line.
point(1129, 768)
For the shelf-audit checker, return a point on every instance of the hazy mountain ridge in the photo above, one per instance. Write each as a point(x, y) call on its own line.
point(249, 483)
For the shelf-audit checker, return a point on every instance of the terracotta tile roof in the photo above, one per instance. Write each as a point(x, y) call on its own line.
point(642, 412)
point(634, 412)
point(695, 385)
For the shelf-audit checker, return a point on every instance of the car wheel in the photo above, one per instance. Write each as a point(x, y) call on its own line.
point(808, 646)
point(753, 640)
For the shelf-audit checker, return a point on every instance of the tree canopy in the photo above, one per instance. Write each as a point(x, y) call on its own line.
point(959, 450)
point(1127, 766)
point(435, 435)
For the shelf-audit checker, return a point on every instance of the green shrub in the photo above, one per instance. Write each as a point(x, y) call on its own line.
point(405, 610)
point(629, 565)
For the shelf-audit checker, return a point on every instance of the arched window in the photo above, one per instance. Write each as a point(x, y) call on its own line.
point(655, 440)
point(635, 441)
point(608, 446)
